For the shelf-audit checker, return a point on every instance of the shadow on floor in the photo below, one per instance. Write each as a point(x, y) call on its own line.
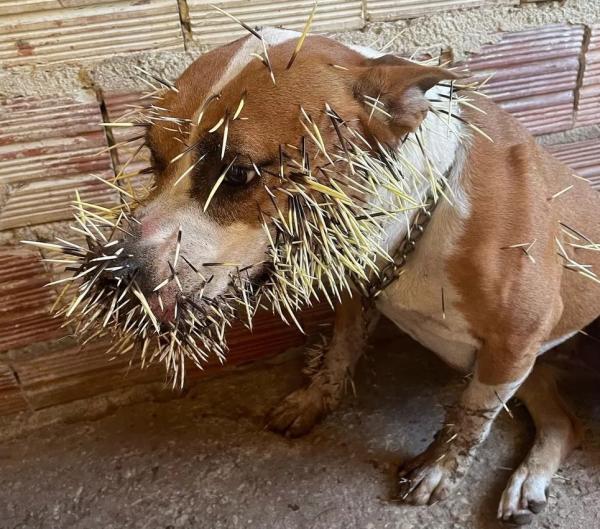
point(205, 461)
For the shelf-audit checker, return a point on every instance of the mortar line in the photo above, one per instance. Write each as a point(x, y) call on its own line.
point(108, 133)
point(110, 138)
point(585, 44)
point(363, 12)
point(185, 23)
point(17, 378)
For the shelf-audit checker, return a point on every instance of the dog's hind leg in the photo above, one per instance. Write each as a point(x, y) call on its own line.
point(303, 408)
point(557, 433)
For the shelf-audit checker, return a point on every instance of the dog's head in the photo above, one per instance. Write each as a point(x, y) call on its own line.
point(246, 143)
point(274, 174)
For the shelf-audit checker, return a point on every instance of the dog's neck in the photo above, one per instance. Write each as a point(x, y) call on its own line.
point(439, 135)
point(445, 147)
point(445, 142)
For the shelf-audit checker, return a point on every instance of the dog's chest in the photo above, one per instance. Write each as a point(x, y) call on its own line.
point(422, 301)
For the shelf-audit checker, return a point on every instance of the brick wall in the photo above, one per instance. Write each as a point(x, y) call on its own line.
point(51, 140)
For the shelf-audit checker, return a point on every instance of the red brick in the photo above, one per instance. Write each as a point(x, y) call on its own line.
point(123, 106)
point(11, 396)
point(81, 32)
point(75, 373)
point(25, 310)
point(71, 374)
point(583, 157)
point(209, 27)
point(49, 148)
point(270, 335)
point(535, 75)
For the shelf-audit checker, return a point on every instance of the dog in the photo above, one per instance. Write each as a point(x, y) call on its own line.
point(501, 273)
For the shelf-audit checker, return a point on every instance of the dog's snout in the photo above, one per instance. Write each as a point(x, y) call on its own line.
point(122, 261)
point(149, 227)
point(149, 222)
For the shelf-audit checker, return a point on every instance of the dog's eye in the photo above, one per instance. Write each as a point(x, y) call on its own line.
point(239, 175)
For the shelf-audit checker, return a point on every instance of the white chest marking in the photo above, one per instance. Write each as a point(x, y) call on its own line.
point(422, 302)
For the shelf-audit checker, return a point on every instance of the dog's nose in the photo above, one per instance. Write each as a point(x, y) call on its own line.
point(120, 262)
point(125, 266)
point(122, 274)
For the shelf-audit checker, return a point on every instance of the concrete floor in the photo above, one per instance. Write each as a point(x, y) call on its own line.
point(205, 461)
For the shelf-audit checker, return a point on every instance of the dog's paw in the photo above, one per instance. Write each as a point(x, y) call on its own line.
point(525, 496)
point(298, 412)
point(432, 476)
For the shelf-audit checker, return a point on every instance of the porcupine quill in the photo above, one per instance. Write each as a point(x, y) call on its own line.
point(302, 37)
point(326, 237)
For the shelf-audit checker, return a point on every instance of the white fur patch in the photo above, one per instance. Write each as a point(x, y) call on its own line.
point(203, 241)
point(481, 403)
point(422, 302)
point(553, 343)
point(241, 59)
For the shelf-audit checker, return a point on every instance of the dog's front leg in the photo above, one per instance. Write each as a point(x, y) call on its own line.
point(329, 374)
point(435, 473)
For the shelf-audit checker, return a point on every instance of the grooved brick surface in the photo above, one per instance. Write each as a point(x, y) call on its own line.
point(129, 154)
point(209, 27)
point(25, 309)
point(583, 157)
point(85, 32)
point(48, 148)
point(77, 372)
point(534, 75)
point(74, 373)
point(11, 397)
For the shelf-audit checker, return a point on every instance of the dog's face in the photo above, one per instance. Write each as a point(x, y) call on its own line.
point(239, 137)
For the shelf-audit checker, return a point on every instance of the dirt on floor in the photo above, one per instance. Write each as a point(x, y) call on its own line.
point(206, 461)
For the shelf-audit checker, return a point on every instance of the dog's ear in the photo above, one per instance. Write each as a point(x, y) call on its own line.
point(392, 92)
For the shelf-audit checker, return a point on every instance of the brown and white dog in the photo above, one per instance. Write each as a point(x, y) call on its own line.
point(503, 306)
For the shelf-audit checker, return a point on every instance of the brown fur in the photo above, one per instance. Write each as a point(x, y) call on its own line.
point(249, 140)
point(511, 303)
